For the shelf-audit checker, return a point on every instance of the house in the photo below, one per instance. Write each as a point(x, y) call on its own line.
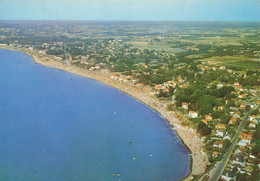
point(237, 115)
point(193, 114)
point(91, 68)
point(229, 174)
point(204, 121)
point(208, 117)
point(242, 96)
point(114, 77)
point(233, 99)
point(252, 125)
point(185, 105)
point(253, 105)
point(236, 83)
point(242, 134)
point(215, 154)
point(240, 150)
point(220, 86)
point(244, 141)
point(97, 67)
point(243, 105)
point(218, 144)
point(252, 160)
point(220, 108)
point(252, 117)
point(220, 130)
point(232, 121)
point(227, 137)
point(139, 85)
point(220, 126)
point(239, 159)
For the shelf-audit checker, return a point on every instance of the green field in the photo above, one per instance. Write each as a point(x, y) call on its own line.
point(236, 61)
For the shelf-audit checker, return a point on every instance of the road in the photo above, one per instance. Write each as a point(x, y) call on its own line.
point(223, 163)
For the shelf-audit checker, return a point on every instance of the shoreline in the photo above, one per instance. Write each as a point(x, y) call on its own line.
point(188, 136)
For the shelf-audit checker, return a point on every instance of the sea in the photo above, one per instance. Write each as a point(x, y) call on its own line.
point(57, 126)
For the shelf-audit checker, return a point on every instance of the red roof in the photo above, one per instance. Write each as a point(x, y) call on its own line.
point(220, 126)
point(218, 143)
point(233, 119)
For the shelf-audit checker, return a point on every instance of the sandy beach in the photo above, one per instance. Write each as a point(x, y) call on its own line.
point(189, 136)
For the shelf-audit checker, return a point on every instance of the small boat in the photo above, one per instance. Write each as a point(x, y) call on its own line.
point(134, 158)
point(130, 141)
point(150, 155)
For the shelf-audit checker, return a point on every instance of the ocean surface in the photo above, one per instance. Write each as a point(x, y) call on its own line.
point(57, 126)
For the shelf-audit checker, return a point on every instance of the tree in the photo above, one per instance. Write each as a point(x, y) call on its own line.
point(204, 129)
point(206, 104)
point(171, 90)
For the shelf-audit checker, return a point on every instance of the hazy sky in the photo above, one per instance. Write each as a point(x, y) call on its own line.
point(198, 10)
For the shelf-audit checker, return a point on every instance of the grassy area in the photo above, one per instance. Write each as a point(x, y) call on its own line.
point(236, 61)
point(150, 44)
point(247, 64)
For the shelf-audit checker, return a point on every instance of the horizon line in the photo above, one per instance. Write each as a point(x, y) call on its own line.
point(133, 20)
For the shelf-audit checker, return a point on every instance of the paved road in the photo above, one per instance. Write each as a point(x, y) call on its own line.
point(223, 163)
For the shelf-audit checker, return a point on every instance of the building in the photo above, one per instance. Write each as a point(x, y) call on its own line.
point(185, 105)
point(237, 115)
point(252, 125)
point(240, 150)
point(242, 134)
point(215, 154)
point(229, 174)
point(232, 121)
point(220, 130)
point(208, 117)
point(193, 114)
point(220, 108)
point(239, 159)
point(244, 141)
point(204, 121)
point(218, 144)
point(220, 85)
point(252, 117)
point(236, 83)
point(243, 105)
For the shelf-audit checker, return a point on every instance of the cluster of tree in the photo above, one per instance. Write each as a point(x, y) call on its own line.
point(204, 129)
point(54, 52)
point(202, 98)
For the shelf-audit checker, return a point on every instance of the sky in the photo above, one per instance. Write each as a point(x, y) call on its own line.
point(151, 10)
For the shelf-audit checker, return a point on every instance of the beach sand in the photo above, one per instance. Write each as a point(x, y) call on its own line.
point(189, 136)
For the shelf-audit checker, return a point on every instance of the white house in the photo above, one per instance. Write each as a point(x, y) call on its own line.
point(218, 144)
point(252, 125)
point(227, 137)
point(185, 105)
point(239, 159)
point(220, 85)
point(244, 141)
point(193, 114)
point(220, 132)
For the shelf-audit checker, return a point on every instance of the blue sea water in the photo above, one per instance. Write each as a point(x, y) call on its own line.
point(57, 126)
